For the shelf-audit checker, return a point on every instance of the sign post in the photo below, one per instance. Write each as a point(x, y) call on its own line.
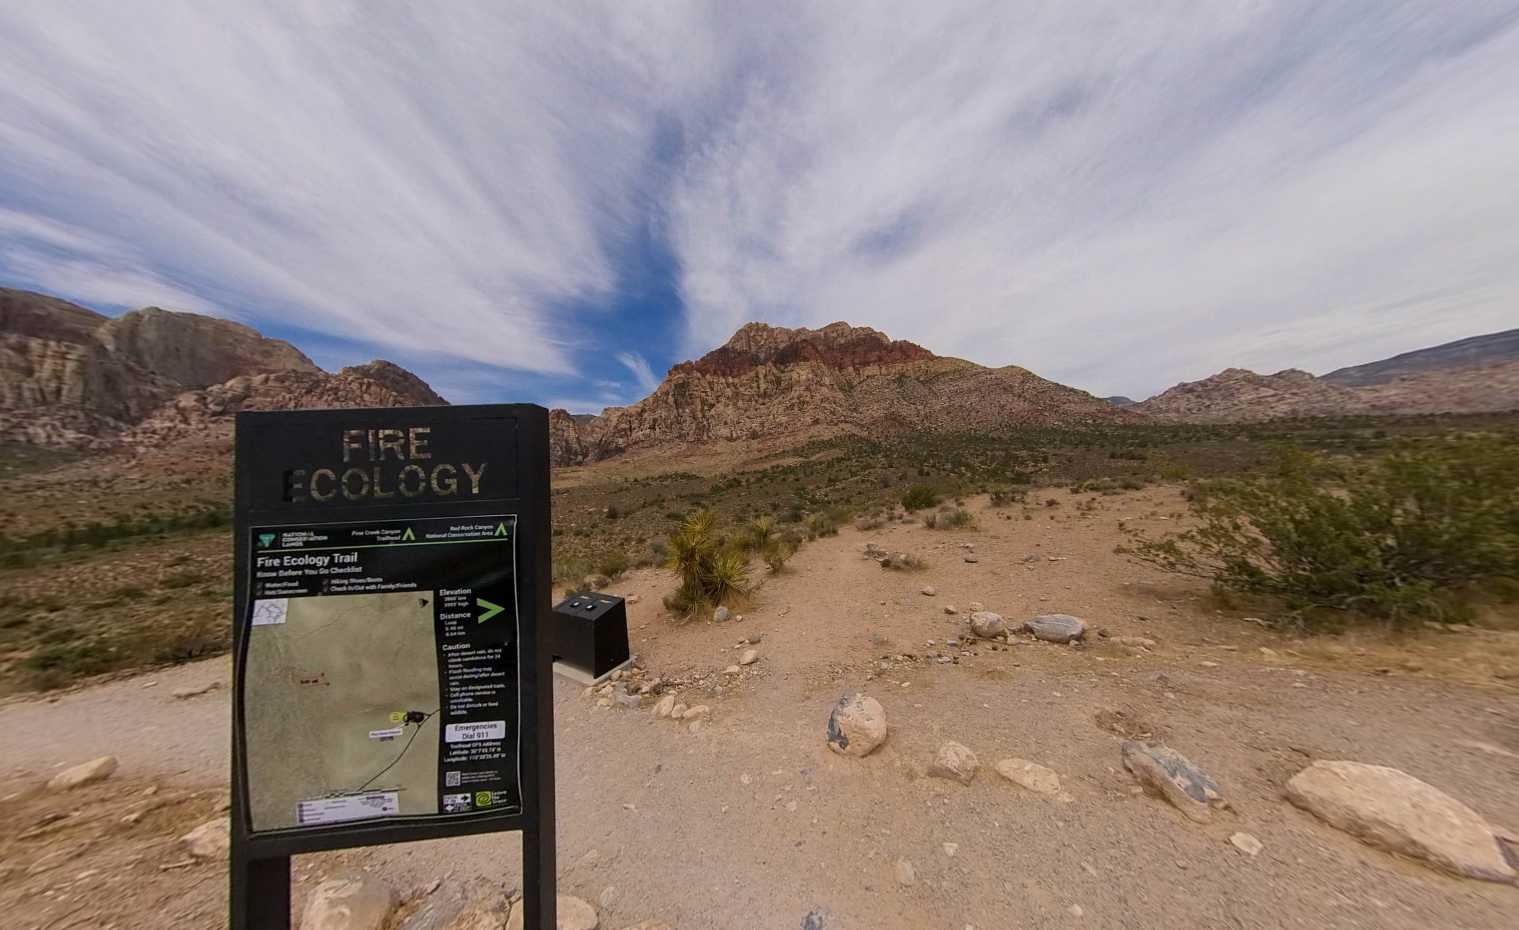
point(391, 676)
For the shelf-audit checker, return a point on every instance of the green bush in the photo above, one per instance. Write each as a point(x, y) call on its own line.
point(1003, 497)
point(710, 572)
point(919, 497)
point(1407, 536)
point(611, 563)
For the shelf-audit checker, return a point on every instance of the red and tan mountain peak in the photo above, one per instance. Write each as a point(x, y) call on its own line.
point(772, 383)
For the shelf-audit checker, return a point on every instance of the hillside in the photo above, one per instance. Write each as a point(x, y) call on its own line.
point(769, 383)
point(1473, 352)
point(75, 379)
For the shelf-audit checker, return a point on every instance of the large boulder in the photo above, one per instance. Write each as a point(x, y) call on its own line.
point(955, 762)
point(210, 840)
point(1056, 628)
point(349, 902)
point(85, 773)
point(1393, 810)
point(570, 914)
point(1186, 786)
point(987, 625)
point(857, 725)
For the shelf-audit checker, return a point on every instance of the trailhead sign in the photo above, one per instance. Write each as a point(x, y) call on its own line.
point(381, 670)
point(391, 682)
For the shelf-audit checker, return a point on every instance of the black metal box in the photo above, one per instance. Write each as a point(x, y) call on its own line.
point(590, 633)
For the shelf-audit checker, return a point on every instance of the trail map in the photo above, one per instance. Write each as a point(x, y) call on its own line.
point(380, 672)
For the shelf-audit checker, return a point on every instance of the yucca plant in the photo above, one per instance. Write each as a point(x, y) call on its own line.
point(710, 572)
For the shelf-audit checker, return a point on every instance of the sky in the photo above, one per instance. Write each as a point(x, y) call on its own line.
point(556, 202)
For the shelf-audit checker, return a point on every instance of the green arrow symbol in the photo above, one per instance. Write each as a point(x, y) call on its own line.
point(490, 609)
point(500, 529)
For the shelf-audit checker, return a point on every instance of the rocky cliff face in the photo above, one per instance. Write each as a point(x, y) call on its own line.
point(206, 416)
point(770, 382)
point(73, 378)
point(1236, 395)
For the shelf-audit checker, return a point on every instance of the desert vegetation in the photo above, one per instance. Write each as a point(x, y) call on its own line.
point(1418, 533)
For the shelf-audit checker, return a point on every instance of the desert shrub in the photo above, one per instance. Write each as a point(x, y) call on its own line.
point(903, 562)
point(776, 552)
point(1406, 536)
point(611, 563)
point(759, 534)
point(951, 519)
point(919, 497)
point(1003, 497)
point(869, 522)
point(710, 572)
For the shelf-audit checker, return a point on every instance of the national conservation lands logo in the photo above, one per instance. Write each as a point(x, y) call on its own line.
point(265, 539)
point(389, 463)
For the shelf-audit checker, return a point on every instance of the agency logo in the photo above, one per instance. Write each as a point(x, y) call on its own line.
point(264, 539)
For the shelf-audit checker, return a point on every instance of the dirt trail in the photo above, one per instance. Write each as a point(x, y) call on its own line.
point(752, 823)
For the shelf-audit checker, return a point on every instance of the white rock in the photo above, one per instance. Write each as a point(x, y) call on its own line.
point(349, 902)
point(951, 848)
point(85, 773)
point(1056, 628)
point(955, 762)
point(732, 670)
point(906, 874)
point(697, 712)
point(975, 606)
point(1246, 844)
point(1033, 776)
point(1397, 812)
point(987, 625)
point(190, 692)
point(749, 657)
point(678, 711)
point(857, 725)
point(210, 840)
point(721, 614)
point(1137, 642)
point(950, 609)
point(570, 914)
point(665, 706)
point(930, 590)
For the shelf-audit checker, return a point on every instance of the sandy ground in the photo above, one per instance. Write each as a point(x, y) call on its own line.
point(752, 823)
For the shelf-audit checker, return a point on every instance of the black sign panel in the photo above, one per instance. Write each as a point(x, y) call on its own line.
point(390, 684)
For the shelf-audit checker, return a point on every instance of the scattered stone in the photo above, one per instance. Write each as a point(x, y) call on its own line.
point(749, 657)
point(950, 849)
point(975, 606)
point(813, 921)
point(732, 670)
point(1246, 844)
point(696, 713)
point(1034, 777)
point(633, 598)
point(930, 590)
point(906, 874)
point(85, 773)
point(665, 706)
point(354, 901)
point(1208, 664)
point(626, 699)
point(1031, 557)
point(857, 725)
point(210, 840)
point(1137, 642)
point(190, 692)
point(1076, 910)
point(678, 712)
point(969, 557)
point(1180, 782)
point(987, 625)
point(1393, 810)
point(570, 914)
point(954, 761)
point(1056, 628)
point(950, 609)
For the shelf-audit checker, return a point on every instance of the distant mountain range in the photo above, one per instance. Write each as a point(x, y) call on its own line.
point(1475, 375)
point(154, 379)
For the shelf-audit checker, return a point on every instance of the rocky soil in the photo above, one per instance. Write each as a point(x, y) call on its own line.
point(1007, 790)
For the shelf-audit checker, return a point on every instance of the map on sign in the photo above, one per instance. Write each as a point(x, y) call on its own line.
point(341, 720)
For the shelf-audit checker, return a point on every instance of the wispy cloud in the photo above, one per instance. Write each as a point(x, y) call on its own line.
point(1115, 195)
point(643, 375)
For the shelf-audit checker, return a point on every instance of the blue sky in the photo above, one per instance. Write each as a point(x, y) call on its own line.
point(555, 202)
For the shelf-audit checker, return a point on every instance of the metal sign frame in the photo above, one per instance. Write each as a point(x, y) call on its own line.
point(283, 442)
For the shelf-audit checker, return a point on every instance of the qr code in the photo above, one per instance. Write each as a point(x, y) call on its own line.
point(451, 779)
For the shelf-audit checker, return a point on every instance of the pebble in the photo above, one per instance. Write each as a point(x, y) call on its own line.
point(1187, 787)
point(732, 670)
point(665, 707)
point(955, 762)
point(696, 713)
point(1246, 843)
point(929, 590)
point(951, 848)
point(195, 691)
point(678, 711)
point(749, 657)
point(1056, 628)
point(950, 609)
point(906, 874)
point(721, 614)
point(210, 840)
